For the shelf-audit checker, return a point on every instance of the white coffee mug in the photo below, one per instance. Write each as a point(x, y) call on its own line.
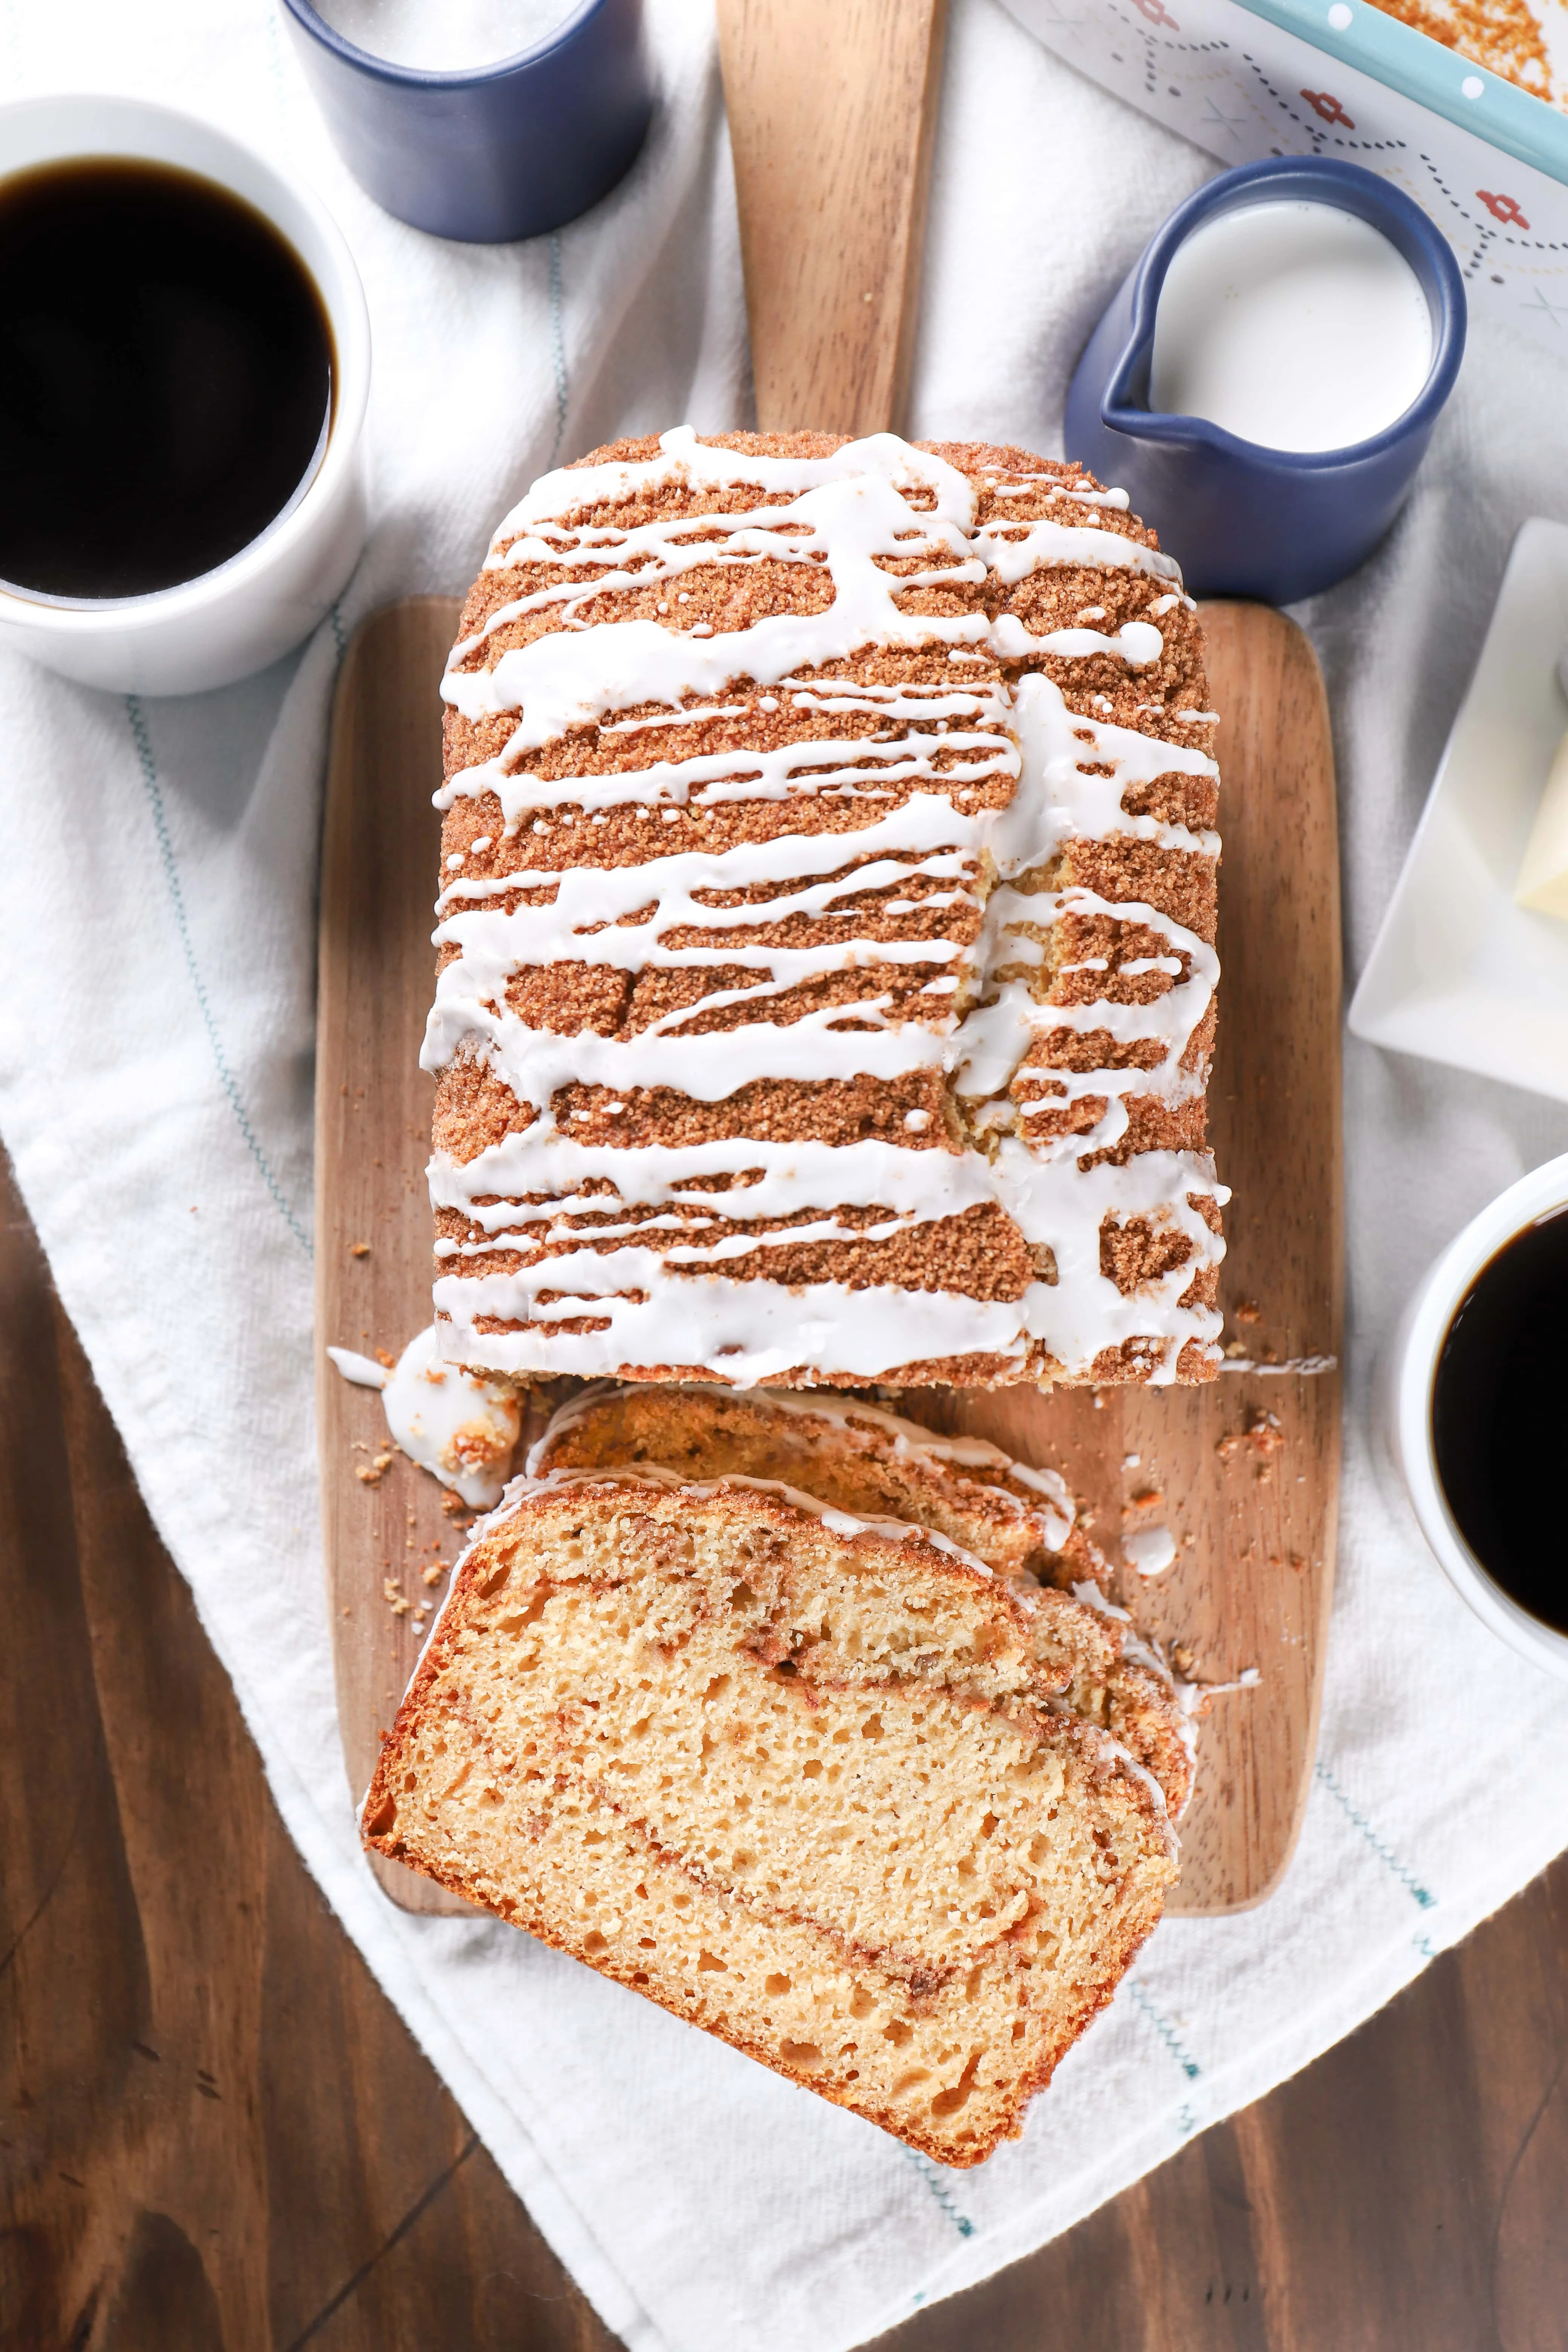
point(1403, 1406)
point(259, 604)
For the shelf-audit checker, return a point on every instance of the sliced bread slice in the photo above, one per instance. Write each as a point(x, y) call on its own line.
point(1021, 1522)
point(800, 1776)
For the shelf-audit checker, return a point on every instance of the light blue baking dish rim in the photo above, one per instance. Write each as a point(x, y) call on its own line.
point(1433, 76)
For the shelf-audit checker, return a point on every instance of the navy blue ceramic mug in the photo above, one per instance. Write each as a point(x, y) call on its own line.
point(487, 152)
point(1244, 519)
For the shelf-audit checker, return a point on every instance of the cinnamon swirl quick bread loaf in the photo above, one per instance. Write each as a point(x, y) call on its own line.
point(852, 1789)
point(826, 928)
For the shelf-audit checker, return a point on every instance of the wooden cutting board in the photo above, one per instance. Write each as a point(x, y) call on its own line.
point(832, 107)
point(1254, 1516)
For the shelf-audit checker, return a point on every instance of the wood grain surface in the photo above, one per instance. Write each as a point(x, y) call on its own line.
point(385, 1531)
point(832, 105)
point(1254, 1515)
point(215, 2136)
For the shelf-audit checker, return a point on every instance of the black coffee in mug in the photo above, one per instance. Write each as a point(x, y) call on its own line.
point(166, 377)
point(1500, 1418)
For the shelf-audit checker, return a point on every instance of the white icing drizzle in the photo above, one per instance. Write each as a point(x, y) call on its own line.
point(784, 1178)
point(588, 920)
point(1307, 1364)
point(1149, 1551)
point(1141, 1773)
point(1023, 486)
point(1137, 643)
point(1139, 1651)
point(457, 1424)
point(634, 1240)
point(648, 1316)
point(1249, 1679)
point(710, 1066)
point(1015, 550)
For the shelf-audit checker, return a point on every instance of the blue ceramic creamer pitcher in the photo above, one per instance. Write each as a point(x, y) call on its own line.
point(490, 152)
point(1243, 520)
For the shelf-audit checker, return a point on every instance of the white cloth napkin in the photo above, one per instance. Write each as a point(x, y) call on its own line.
point(156, 966)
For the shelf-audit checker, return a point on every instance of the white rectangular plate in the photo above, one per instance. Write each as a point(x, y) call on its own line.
point(1459, 974)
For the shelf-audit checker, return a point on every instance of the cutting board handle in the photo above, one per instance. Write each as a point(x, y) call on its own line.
point(832, 105)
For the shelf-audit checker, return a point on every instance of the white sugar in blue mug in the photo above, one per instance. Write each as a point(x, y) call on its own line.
point(1266, 381)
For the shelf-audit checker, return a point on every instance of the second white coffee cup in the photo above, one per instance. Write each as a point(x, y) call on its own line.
point(1403, 1406)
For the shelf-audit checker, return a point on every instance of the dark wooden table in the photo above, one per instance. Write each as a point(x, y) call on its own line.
point(215, 2132)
